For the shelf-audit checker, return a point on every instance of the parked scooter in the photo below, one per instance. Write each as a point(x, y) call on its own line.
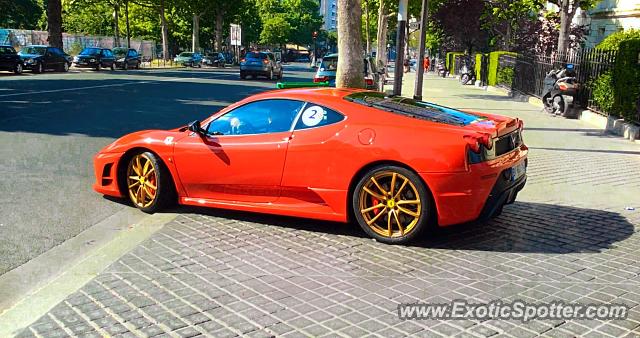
point(467, 72)
point(442, 69)
point(559, 91)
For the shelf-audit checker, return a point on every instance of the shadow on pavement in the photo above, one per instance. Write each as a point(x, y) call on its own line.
point(523, 227)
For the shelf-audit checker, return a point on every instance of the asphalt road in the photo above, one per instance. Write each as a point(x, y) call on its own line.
point(52, 124)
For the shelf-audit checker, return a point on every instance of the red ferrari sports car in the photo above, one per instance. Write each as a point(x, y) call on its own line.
point(393, 164)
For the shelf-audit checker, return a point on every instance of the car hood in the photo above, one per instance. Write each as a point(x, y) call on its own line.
point(144, 138)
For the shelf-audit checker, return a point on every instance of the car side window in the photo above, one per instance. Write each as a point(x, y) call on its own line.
point(258, 117)
point(317, 116)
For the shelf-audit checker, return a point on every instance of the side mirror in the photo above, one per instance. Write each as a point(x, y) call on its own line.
point(194, 126)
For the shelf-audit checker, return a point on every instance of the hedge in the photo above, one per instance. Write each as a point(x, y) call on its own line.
point(478, 65)
point(626, 86)
point(494, 57)
point(451, 67)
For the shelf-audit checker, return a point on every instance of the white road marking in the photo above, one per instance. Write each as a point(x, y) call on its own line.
point(115, 85)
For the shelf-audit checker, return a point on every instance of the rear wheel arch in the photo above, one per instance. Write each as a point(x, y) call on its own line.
point(367, 168)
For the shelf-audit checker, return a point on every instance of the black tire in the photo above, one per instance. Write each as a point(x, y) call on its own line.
point(403, 192)
point(560, 106)
point(270, 76)
point(39, 68)
point(18, 69)
point(165, 193)
point(113, 66)
point(243, 75)
point(464, 79)
point(125, 65)
point(280, 75)
point(138, 65)
point(99, 67)
point(65, 67)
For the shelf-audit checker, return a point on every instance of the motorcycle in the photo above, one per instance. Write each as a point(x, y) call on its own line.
point(467, 73)
point(559, 91)
point(442, 69)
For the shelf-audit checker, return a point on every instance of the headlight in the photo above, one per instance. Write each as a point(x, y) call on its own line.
point(75, 59)
point(92, 60)
point(28, 60)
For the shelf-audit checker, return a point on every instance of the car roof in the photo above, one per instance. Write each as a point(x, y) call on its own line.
point(305, 94)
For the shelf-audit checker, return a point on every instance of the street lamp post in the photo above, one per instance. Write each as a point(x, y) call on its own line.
point(402, 23)
point(417, 92)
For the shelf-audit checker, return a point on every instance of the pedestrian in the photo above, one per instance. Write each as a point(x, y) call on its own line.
point(406, 65)
point(426, 64)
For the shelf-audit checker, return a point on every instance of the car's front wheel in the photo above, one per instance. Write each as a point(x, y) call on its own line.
point(125, 65)
point(18, 69)
point(391, 204)
point(149, 183)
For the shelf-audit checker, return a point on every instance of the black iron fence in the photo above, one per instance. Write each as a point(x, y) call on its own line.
point(526, 73)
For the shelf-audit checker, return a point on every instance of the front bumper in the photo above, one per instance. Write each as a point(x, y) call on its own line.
point(105, 166)
point(85, 64)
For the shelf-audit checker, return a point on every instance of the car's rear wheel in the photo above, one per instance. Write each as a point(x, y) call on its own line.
point(391, 204)
point(270, 76)
point(149, 183)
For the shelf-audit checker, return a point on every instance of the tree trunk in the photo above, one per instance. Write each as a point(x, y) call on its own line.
point(219, 22)
point(565, 24)
point(126, 17)
point(195, 39)
point(116, 24)
point(366, 9)
point(350, 72)
point(165, 32)
point(54, 23)
point(381, 46)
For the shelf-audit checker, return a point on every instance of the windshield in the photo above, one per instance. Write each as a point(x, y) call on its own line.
point(90, 51)
point(185, 54)
point(413, 108)
point(120, 52)
point(329, 64)
point(33, 50)
point(253, 55)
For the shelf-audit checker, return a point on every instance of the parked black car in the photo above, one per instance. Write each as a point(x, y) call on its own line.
point(215, 59)
point(41, 58)
point(10, 60)
point(126, 58)
point(96, 58)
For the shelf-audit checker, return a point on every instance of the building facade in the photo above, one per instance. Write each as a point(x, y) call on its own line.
point(608, 17)
point(329, 12)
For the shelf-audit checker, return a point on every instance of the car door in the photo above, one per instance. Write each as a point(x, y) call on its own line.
point(242, 156)
point(5, 58)
point(49, 59)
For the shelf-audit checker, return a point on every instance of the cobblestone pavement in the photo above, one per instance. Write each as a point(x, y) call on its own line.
point(225, 274)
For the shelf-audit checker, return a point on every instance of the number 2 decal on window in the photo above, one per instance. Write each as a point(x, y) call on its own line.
point(312, 116)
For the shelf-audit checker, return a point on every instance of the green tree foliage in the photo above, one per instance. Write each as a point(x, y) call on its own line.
point(22, 14)
point(275, 30)
point(87, 17)
point(612, 42)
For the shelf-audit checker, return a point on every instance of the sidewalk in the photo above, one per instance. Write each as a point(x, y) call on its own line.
point(569, 237)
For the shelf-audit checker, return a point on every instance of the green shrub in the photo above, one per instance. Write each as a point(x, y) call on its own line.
point(478, 65)
point(494, 57)
point(602, 91)
point(626, 86)
point(612, 42)
point(505, 76)
point(75, 48)
point(452, 65)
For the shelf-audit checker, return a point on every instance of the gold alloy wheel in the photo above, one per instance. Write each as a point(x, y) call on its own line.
point(142, 181)
point(390, 204)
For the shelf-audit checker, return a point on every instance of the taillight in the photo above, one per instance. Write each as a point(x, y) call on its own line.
point(242, 60)
point(368, 82)
point(321, 79)
point(563, 86)
point(476, 140)
point(265, 61)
